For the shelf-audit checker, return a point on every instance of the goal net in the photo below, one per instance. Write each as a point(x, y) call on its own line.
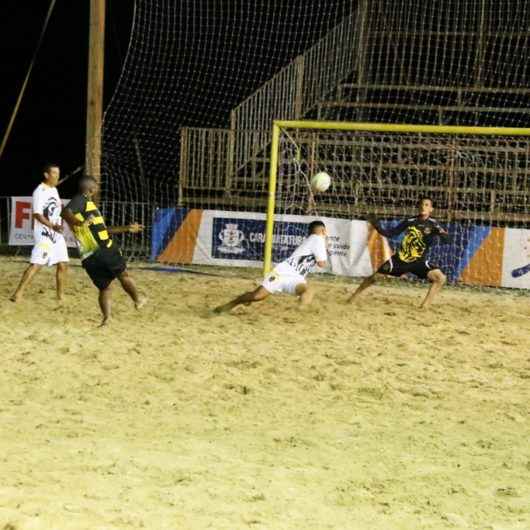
point(187, 133)
point(477, 178)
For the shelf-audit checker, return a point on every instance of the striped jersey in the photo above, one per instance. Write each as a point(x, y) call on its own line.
point(94, 236)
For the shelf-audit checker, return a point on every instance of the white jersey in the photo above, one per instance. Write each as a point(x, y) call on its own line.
point(46, 202)
point(305, 257)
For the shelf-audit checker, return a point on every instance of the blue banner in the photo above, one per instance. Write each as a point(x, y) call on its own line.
point(244, 239)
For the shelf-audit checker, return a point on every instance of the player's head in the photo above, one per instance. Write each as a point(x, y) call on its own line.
point(425, 206)
point(51, 174)
point(88, 185)
point(316, 227)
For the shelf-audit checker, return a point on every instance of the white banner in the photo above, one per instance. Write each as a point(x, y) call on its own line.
point(237, 239)
point(516, 258)
point(21, 225)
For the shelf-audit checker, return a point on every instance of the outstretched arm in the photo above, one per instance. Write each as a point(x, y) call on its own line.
point(391, 232)
point(442, 233)
point(444, 236)
point(133, 228)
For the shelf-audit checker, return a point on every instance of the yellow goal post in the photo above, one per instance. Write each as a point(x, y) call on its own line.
point(282, 125)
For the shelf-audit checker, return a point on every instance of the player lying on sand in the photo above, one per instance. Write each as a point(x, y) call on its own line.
point(289, 276)
point(420, 232)
point(100, 256)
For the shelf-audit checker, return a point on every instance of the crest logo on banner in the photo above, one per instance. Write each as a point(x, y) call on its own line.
point(231, 239)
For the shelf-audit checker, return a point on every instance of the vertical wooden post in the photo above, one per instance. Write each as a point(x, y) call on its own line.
point(231, 164)
point(481, 46)
point(363, 23)
point(184, 164)
point(94, 114)
point(299, 94)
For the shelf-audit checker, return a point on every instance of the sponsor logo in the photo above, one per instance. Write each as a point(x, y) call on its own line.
point(231, 239)
point(244, 239)
point(22, 213)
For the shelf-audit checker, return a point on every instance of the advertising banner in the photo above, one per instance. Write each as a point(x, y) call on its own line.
point(21, 224)
point(213, 237)
point(474, 254)
point(516, 258)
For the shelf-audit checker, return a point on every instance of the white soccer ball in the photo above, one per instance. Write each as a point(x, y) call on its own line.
point(320, 182)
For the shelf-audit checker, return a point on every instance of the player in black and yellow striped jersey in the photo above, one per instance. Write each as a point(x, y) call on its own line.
point(100, 256)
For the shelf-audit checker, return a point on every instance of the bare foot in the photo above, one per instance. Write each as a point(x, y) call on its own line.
point(223, 309)
point(104, 322)
point(141, 302)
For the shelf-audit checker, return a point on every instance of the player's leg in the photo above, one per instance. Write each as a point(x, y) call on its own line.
point(129, 286)
point(24, 281)
point(365, 284)
point(60, 279)
point(59, 257)
point(257, 295)
point(305, 294)
point(391, 267)
point(104, 300)
point(438, 280)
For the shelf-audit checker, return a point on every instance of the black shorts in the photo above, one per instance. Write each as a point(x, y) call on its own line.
point(104, 266)
point(395, 267)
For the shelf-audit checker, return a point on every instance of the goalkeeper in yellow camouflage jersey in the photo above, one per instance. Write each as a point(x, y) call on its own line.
point(420, 233)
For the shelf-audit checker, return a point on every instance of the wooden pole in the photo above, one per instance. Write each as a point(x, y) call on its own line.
point(94, 114)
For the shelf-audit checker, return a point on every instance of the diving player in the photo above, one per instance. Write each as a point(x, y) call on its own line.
point(289, 276)
point(420, 232)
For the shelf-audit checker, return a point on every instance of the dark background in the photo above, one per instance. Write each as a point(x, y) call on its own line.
point(189, 72)
point(50, 124)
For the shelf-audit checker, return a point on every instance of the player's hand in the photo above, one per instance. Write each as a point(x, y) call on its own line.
point(88, 221)
point(58, 228)
point(134, 228)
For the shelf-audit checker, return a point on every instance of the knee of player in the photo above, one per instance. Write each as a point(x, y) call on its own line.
point(259, 294)
point(441, 278)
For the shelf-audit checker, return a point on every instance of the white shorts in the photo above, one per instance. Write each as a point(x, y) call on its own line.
point(282, 283)
point(45, 252)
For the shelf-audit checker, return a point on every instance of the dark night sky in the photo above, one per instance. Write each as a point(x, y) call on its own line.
point(51, 121)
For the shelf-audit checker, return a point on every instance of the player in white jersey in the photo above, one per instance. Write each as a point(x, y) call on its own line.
point(50, 246)
point(289, 276)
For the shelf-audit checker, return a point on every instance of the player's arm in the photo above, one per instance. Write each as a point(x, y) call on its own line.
point(133, 228)
point(391, 232)
point(37, 207)
point(442, 233)
point(39, 217)
point(320, 252)
point(71, 219)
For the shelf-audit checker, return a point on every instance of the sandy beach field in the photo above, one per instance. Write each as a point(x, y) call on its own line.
point(376, 416)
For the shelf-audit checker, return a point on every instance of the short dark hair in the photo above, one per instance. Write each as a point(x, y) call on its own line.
point(46, 167)
point(311, 229)
point(88, 177)
point(425, 198)
point(85, 180)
